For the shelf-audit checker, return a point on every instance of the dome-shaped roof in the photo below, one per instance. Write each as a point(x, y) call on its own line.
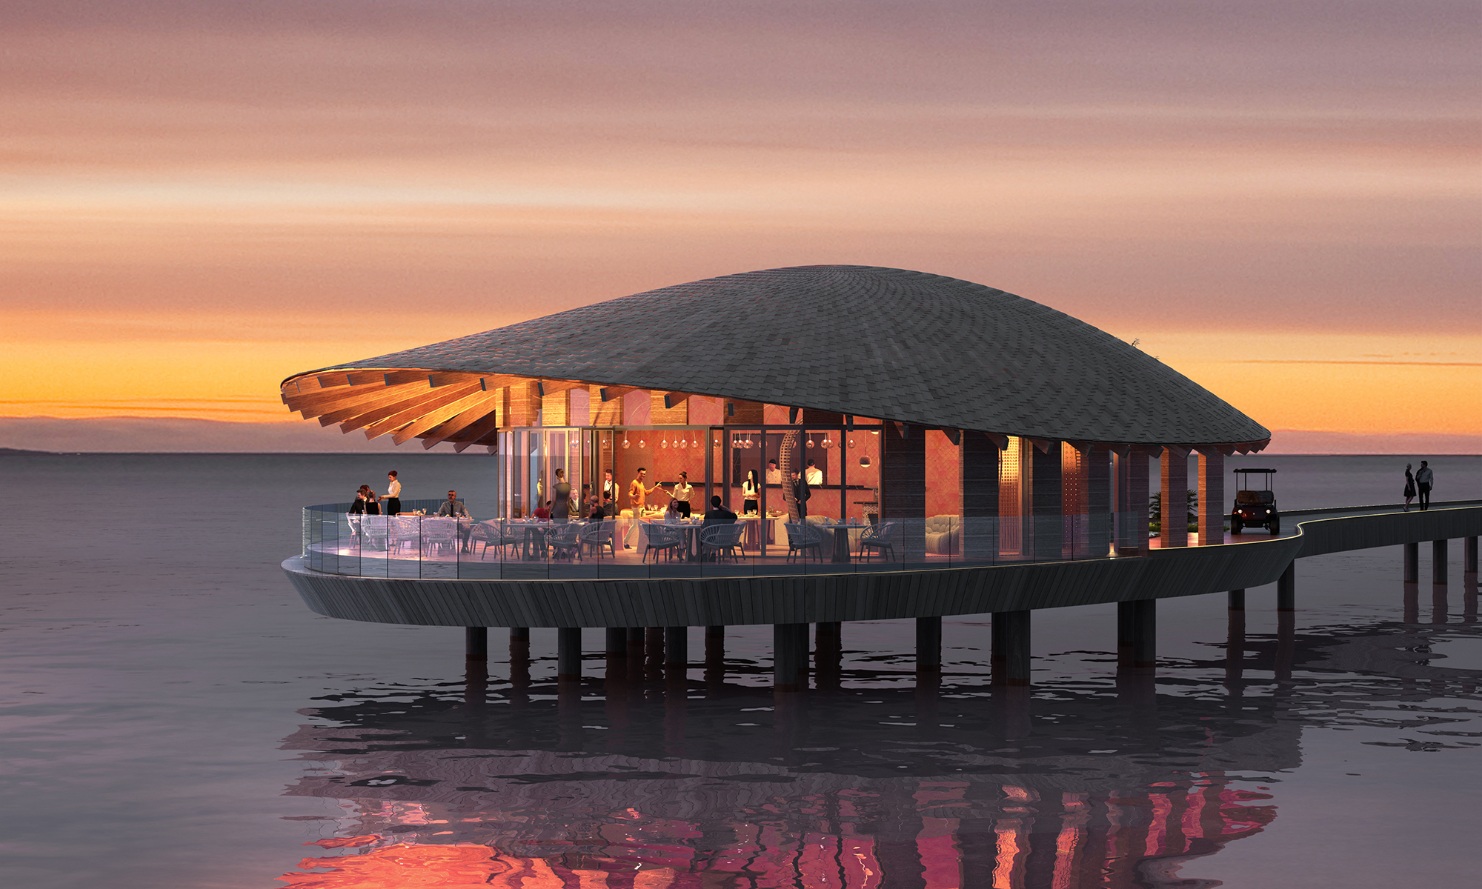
point(870, 342)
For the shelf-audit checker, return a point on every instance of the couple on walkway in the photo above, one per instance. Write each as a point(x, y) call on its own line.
point(1420, 481)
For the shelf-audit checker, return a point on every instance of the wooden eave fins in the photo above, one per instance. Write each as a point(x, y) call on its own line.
point(436, 399)
point(477, 403)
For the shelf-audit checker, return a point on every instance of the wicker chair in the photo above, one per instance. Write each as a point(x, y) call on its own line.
point(879, 538)
point(803, 539)
point(663, 539)
point(721, 541)
point(565, 541)
point(490, 534)
point(596, 536)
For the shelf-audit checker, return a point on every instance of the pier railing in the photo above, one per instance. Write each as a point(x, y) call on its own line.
point(431, 547)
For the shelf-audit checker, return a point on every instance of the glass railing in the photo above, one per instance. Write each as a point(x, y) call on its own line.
point(410, 545)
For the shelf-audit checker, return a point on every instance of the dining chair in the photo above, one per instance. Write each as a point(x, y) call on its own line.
point(879, 538)
point(803, 539)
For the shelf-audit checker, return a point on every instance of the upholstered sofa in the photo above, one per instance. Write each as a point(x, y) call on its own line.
point(944, 535)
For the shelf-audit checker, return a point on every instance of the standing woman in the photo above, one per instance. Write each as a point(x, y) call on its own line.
point(680, 496)
point(1409, 487)
point(749, 492)
point(561, 497)
point(393, 493)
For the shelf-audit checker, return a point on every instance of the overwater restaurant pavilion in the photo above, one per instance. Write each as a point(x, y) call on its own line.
point(981, 425)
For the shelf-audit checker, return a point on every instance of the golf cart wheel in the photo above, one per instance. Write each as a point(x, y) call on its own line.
point(1236, 526)
point(1275, 527)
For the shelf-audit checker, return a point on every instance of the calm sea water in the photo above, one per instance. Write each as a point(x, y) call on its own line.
point(174, 717)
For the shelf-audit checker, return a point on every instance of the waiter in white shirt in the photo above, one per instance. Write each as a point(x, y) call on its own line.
point(681, 494)
point(813, 474)
point(392, 500)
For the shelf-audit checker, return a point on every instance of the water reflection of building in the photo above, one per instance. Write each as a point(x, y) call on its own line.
point(576, 797)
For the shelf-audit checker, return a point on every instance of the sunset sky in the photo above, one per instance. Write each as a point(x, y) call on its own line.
point(198, 199)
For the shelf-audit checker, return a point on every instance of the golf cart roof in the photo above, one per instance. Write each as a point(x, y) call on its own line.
point(1267, 471)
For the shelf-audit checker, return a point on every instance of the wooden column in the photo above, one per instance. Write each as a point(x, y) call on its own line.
point(1438, 561)
point(1132, 502)
point(1010, 657)
point(979, 469)
point(1098, 500)
point(1211, 498)
point(1046, 503)
point(928, 645)
point(1175, 518)
point(903, 486)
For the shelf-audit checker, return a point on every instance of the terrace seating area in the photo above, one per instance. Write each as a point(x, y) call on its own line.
point(433, 546)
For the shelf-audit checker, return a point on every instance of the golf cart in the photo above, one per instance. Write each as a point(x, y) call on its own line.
point(1255, 502)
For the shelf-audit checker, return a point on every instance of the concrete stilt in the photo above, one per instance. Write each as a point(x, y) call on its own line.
point(1286, 589)
point(1439, 605)
point(1411, 601)
point(1237, 600)
point(1438, 561)
point(1412, 563)
point(715, 657)
point(789, 657)
point(519, 634)
point(1137, 633)
point(476, 643)
point(1286, 645)
point(568, 653)
point(828, 654)
point(1010, 659)
point(928, 645)
point(1235, 650)
point(1469, 555)
point(676, 647)
point(617, 641)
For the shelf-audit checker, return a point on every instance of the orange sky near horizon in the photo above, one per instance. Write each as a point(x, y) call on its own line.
point(200, 199)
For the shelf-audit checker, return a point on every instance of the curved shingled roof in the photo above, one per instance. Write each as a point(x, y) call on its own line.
point(871, 342)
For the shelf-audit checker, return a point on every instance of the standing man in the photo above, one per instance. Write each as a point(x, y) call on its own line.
point(800, 495)
point(813, 474)
point(638, 493)
point(609, 487)
point(393, 493)
point(1423, 480)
